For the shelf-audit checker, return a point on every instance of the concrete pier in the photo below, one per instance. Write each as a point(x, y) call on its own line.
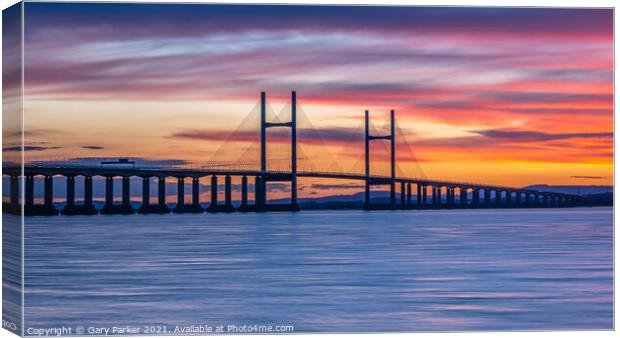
point(487, 198)
point(147, 207)
point(71, 207)
point(243, 207)
point(45, 209)
point(476, 198)
point(409, 195)
point(13, 205)
point(194, 207)
point(418, 196)
point(215, 206)
point(117, 209)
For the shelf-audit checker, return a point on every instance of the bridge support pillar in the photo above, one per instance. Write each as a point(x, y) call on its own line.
point(476, 198)
point(463, 197)
point(424, 196)
point(83, 209)
point(194, 207)
point(13, 206)
point(195, 193)
point(110, 208)
point(146, 207)
point(228, 194)
point(161, 192)
point(109, 191)
point(433, 196)
point(47, 208)
point(48, 193)
point(70, 191)
point(180, 192)
point(498, 198)
point(125, 191)
point(213, 207)
point(408, 194)
point(29, 198)
point(89, 208)
point(213, 190)
point(88, 191)
point(453, 196)
point(244, 194)
point(439, 202)
point(146, 191)
point(487, 198)
point(418, 196)
point(160, 207)
point(227, 206)
point(29, 207)
point(402, 195)
point(259, 201)
point(14, 191)
point(70, 207)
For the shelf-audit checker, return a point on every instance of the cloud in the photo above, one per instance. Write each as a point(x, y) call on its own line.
point(29, 148)
point(93, 147)
point(546, 97)
point(196, 19)
point(590, 177)
point(96, 161)
point(562, 110)
point(534, 136)
point(280, 135)
point(319, 186)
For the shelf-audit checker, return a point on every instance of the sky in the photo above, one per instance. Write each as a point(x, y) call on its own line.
point(507, 96)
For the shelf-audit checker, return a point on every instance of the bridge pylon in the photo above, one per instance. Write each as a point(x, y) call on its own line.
point(392, 180)
point(265, 177)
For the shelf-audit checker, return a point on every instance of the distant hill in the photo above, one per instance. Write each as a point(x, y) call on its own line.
point(582, 190)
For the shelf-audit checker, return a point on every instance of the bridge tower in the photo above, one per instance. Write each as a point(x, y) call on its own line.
point(261, 200)
point(392, 180)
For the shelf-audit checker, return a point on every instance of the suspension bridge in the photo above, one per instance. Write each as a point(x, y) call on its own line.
point(405, 192)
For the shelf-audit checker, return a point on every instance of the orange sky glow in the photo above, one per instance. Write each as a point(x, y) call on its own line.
point(509, 97)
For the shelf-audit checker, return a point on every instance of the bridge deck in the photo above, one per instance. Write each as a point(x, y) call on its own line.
point(191, 172)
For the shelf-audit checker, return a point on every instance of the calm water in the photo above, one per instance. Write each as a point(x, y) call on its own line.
point(325, 271)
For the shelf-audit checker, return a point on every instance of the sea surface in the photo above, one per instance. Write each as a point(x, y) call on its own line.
point(325, 271)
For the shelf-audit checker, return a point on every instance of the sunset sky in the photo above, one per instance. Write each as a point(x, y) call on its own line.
point(502, 96)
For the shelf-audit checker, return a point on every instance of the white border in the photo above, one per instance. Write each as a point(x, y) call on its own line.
point(471, 3)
